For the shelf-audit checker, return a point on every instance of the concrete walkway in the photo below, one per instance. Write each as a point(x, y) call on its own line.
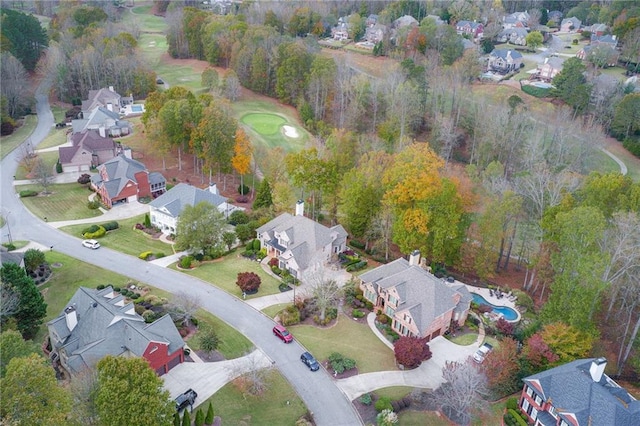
point(206, 378)
point(119, 212)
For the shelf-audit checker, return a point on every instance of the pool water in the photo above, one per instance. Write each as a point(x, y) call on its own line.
point(136, 108)
point(507, 313)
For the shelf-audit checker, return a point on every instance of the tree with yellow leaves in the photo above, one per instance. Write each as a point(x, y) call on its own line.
point(241, 160)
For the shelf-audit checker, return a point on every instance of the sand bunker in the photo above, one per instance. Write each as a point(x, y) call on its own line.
point(290, 132)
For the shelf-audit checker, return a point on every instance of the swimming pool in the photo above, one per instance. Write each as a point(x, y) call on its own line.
point(136, 108)
point(506, 312)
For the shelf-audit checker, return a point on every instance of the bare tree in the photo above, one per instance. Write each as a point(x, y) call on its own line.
point(324, 290)
point(9, 301)
point(534, 18)
point(184, 307)
point(14, 84)
point(231, 86)
point(252, 372)
point(43, 175)
point(463, 392)
point(447, 137)
point(83, 386)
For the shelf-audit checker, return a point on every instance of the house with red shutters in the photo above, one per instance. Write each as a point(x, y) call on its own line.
point(97, 323)
point(124, 179)
point(578, 393)
point(474, 29)
point(418, 303)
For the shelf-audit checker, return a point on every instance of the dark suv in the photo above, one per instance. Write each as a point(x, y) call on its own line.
point(187, 398)
point(310, 361)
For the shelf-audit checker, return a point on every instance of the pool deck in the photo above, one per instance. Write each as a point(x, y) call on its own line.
point(504, 301)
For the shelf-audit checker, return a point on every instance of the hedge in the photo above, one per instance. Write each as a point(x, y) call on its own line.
point(99, 233)
point(145, 254)
point(538, 92)
point(110, 226)
point(357, 266)
point(28, 193)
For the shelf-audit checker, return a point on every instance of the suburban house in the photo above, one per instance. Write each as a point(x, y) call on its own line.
point(165, 210)
point(555, 16)
point(88, 149)
point(515, 20)
point(103, 120)
point(340, 31)
point(436, 18)
point(405, 21)
point(106, 98)
point(601, 54)
point(371, 20)
point(418, 303)
point(297, 241)
point(504, 61)
point(123, 179)
point(97, 323)
point(474, 29)
point(607, 39)
point(578, 393)
point(514, 35)
point(375, 33)
point(596, 29)
point(570, 24)
point(11, 257)
point(549, 69)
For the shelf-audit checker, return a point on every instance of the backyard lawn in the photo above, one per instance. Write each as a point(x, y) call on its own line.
point(125, 239)
point(66, 202)
point(351, 339)
point(223, 273)
point(278, 405)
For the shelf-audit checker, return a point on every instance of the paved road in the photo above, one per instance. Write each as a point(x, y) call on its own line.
point(319, 392)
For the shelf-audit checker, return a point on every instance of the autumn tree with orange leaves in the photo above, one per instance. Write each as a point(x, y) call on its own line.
point(241, 160)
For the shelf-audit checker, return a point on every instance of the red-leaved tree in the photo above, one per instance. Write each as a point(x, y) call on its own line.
point(538, 353)
point(411, 351)
point(248, 282)
point(504, 327)
point(501, 368)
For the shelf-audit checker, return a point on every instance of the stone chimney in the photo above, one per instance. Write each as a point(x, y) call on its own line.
point(300, 208)
point(213, 188)
point(71, 317)
point(597, 368)
point(414, 258)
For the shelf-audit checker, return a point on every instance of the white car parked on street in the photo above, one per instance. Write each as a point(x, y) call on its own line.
point(92, 244)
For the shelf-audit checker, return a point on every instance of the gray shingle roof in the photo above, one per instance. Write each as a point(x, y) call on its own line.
point(107, 326)
point(503, 53)
point(92, 140)
point(305, 235)
point(120, 170)
point(422, 294)
point(173, 201)
point(101, 97)
point(10, 257)
point(572, 390)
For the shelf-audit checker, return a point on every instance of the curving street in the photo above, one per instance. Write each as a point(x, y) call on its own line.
point(319, 392)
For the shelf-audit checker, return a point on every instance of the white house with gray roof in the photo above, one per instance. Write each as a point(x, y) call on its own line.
point(297, 241)
point(418, 303)
point(97, 323)
point(165, 210)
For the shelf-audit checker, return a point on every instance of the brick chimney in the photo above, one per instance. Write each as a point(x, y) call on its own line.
point(597, 368)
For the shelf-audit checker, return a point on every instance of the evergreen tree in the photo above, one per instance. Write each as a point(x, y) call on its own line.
point(263, 195)
point(23, 36)
point(32, 308)
point(200, 418)
point(571, 85)
point(209, 417)
point(176, 419)
point(186, 418)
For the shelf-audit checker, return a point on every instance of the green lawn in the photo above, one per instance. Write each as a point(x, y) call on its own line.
point(8, 143)
point(66, 202)
point(143, 17)
point(265, 124)
point(49, 158)
point(464, 339)
point(223, 273)
point(351, 339)
point(394, 392)
point(126, 239)
point(56, 137)
point(278, 405)
point(272, 311)
point(73, 274)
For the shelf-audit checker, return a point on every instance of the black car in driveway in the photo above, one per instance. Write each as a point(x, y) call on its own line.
point(310, 361)
point(187, 398)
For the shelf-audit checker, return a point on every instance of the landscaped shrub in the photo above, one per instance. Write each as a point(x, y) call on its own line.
point(116, 289)
point(110, 226)
point(93, 205)
point(147, 221)
point(512, 403)
point(357, 313)
point(411, 351)
point(382, 319)
point(199, 418)
point(340, 363)
point(357, 266)
point(256, 244)
point(139, 226)
point(368, 305)
point(90, 229)
point(148, 316)
point(100, 287)
point(273, 262)
point(276, 270)
point(84, 179)
point(238, 217)
point(366, 399)
point(243, 189)
point(139, 309)
point(159, 255)
point(185, 262)
point(384, 403)
point(357, 244)
point(290, 315)
point(249, 282)
point(97, 234)
point(58, 167)
point(28, 193)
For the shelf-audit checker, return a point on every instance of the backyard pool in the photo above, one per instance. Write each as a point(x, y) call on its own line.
point(136, 108)
point(506, 312)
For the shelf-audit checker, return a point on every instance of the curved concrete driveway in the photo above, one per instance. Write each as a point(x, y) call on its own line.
point(318, 391)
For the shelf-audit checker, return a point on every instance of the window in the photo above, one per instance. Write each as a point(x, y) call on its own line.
point(529, 391)
point(525, 404)
point(563, 423)
point(389, 311)
point(552, 411)
point(534, 413)
point(538, 400)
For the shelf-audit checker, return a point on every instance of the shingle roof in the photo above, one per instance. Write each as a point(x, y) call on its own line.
point(503, 53)
point(173, 201)
point(421, 293)
point(471, 24)
point(10, 257)
point(91, 140)
point(306, 236)
point(120, 170)
point(101, 97)
point(66, 153)
point(108, 326)
point(572, 390)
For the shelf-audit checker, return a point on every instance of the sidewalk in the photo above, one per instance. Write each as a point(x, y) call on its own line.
point(119, 212)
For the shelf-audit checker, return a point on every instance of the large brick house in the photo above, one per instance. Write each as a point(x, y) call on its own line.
point(297, 241)
point(474, 29)
point(123, 179)
point(505, 61)
point(97, 323)
point(578, 394)
point(418, 303)
point(88, 149)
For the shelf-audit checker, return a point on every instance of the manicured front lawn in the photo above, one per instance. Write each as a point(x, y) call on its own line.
point(394, 392)
point(272, 311)
point(49, 158)
point(278, 405)
point(351, 339)
point(66, 202)
point(233, 344)
point(464, 339)
point(223, 273)
point(56, 137)
point(8, 143)
point(125, 239)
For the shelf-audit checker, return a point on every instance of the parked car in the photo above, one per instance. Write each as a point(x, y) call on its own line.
point(92, 244)
point(187, 398)
point(310, 361)
point(482, 352)
point(282, 333)
point(159, 81)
